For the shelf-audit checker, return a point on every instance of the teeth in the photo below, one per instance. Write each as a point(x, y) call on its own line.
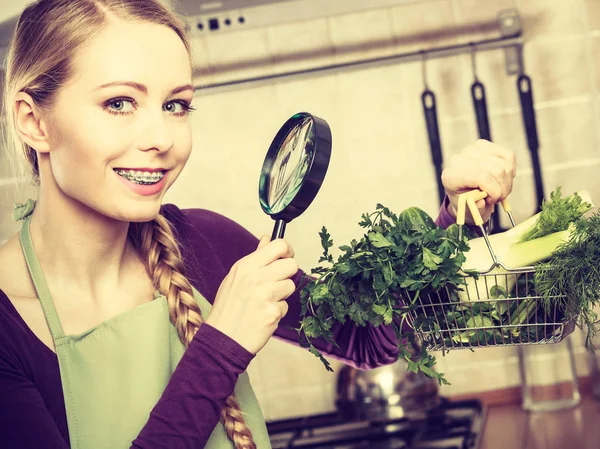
point(141, 176)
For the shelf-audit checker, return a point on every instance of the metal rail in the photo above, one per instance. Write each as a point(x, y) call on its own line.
point(432, 53)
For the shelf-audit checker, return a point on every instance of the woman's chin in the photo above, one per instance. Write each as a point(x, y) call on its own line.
point(141, 213)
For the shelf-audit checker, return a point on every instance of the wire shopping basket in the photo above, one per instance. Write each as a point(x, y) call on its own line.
point(497, 307)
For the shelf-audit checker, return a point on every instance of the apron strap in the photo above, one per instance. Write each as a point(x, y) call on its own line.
point(39, 281)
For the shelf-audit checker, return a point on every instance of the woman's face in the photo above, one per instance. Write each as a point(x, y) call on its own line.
point(120, 134)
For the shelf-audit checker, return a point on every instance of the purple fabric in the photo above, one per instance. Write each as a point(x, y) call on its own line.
point(32, 410)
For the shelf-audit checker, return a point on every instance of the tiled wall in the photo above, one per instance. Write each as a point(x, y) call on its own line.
point(380, 151)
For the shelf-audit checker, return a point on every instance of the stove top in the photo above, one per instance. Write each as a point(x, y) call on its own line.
point(451, 425)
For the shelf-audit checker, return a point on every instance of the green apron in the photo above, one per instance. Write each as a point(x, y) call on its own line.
point(114, 373)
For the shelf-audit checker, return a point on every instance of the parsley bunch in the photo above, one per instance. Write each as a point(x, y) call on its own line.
point(379, 278)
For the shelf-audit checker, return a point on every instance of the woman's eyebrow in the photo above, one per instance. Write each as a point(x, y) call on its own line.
point(143, 88)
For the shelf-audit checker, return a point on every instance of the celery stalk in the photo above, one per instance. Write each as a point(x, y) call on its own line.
point(512, 253)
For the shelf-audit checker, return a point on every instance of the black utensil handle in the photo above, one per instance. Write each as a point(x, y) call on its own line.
point(526, 97)
point(529, 122)
point(484, 132)
point(433, 133)
point(481, 113)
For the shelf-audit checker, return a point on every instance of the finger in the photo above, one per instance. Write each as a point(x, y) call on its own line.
point(478, 171)
point(502, 176)
point(279, 270)
point(490, 184)
point(264, 241)
point(489, 149)
point(283, 290)
point(284, 307)
point(267, 254)
point(462, 176)
point(291, 252)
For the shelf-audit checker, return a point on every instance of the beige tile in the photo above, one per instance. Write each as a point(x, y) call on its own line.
point(301, 45)
point(367, 34)
point(474, 16)
point(376, 126)
point(318, 95)
point(202, 68)
point(592, 14)
point(6, 164)
point(417, 26)
point(574, 178)
point(508, 132)
point(237, 55)
point(550, 18)
point(523, 197)
point(483, 375)
point(500, 88)
point(456, 135)
point(12, 161)
point(285, 367)
point(479, 356)
point(594, 42)
point(297, 403)
point(568, 133)
point(447, 78)
point(558, 69)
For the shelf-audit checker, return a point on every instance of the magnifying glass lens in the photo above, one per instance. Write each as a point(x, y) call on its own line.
point(294, 168)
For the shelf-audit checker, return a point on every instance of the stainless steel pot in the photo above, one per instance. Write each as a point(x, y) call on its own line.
point(386, 392)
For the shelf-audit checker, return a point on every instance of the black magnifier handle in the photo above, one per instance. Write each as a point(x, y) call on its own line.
point(430, 110)
point(278, 229)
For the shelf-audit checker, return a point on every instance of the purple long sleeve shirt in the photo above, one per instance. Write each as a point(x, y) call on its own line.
point(32, 409)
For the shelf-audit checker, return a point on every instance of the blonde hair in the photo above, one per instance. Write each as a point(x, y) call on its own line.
point(39, 62)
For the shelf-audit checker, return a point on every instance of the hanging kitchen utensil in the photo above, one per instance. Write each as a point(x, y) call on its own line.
point(433, 133)
point(479, 100)
point(529, 122)
point(483, 124)
point(294, 169)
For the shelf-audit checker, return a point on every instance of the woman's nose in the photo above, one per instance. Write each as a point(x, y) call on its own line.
point(156, 133)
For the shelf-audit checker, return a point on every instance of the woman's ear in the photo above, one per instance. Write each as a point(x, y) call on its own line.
point(29, 123)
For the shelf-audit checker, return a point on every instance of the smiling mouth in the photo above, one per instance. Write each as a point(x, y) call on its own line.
point(141, 177)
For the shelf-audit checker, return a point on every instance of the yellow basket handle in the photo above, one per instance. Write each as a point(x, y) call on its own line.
point(470, 199)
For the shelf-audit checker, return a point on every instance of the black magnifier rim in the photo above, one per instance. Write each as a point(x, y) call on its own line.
point(315, 174)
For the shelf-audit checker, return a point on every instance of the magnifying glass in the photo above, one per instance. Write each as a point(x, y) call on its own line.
point(294, 169)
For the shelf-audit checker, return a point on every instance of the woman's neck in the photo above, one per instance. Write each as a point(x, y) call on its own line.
point(76, 244)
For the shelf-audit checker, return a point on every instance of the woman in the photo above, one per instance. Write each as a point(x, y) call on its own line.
point(124, 322)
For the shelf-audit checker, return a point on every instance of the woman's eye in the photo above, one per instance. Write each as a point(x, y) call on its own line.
point(125, 106)
point(118, 106)
point(178, 107)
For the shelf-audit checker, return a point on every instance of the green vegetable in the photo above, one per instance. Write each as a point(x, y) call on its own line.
point(403, 263)
point(558, 213)
point(399, 259)
point(570, 280)
point(532, 241)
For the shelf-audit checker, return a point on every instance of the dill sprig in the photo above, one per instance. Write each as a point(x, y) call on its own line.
point(571, 278)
